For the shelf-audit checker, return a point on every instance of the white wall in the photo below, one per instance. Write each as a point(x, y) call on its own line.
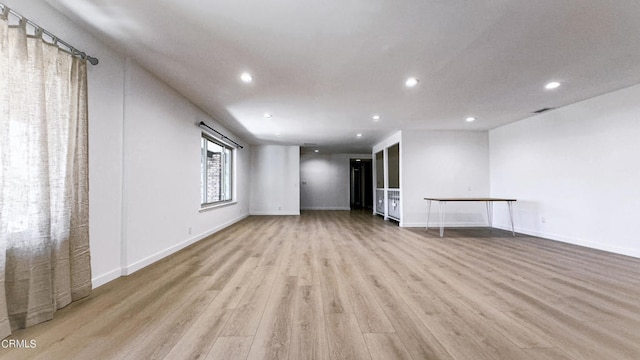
point(275, 177)
point(444, 164)
point(325, 180)
point(579, 168)
point(162, 173)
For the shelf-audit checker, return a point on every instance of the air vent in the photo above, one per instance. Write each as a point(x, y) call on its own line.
point(310, 144)
point(542, 110)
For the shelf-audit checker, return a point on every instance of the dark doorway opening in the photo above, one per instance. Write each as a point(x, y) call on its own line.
point(361, 183)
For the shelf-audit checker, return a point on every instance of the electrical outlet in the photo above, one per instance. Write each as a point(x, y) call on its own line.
point(189, 230)
point(543, 220)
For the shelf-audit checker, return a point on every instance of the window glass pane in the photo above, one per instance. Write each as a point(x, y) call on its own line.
point(217, 177)
point(379, 170)
point(394, 166)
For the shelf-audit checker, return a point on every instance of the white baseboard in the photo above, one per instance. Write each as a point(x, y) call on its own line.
point(268, 213)
point(327, 208)
point(130, 269)
point(446, 225)
point(574, 241)
point(105, 278)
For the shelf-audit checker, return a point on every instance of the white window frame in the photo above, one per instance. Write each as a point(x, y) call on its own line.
point(229, 197)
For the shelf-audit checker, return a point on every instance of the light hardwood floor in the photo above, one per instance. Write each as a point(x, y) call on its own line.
point(348, 285)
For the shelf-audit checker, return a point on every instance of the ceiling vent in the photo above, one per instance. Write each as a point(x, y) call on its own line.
point(542, 110)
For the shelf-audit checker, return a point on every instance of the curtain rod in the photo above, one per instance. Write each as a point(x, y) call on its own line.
point(219, 133)
point(75, 52)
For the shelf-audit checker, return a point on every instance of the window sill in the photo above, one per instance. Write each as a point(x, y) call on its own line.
point(216, 206)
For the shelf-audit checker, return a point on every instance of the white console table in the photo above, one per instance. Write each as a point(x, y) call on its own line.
point(489, 204)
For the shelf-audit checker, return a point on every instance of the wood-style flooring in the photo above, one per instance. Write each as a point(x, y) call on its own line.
point(348, 285)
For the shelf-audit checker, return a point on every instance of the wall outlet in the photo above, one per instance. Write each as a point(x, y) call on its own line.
point(279, 207)
point(543, 220)
point(189, 230)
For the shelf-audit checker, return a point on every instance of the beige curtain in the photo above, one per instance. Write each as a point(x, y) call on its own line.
point(44, 233)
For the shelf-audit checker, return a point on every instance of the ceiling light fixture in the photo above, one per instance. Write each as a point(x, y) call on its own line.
point(267, 115)
point(246, 77)
point(552, 85)
point(411, 82)
point(376, 117)
point(316, 150)
point(470, 119)
point(359, 135)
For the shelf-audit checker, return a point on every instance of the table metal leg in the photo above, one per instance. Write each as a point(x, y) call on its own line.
point(489, 213)
point(510, 204)
point(443, 205)
point(428, 213)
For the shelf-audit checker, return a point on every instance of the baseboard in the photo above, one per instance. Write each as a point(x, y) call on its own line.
point(574, 241)
point(105, 278)
point(268, 213)
point(446, 225)
point(327, 208)
point(130, 269)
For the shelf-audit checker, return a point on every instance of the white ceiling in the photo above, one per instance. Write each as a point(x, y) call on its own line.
point(323, 68)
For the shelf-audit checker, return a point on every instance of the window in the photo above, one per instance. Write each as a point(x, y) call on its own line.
point(393, 170)
point(379, 170)
point(217, 171)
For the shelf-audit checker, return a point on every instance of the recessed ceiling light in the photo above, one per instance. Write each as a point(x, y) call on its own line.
point(359, 135)
point(246, 77)
point(316, 150)
point(470, 119)
point(267, 115)
point(552, 85)
point(376, 117)
point(358, 160)
point(411, 82)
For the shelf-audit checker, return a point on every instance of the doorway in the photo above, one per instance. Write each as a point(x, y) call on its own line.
point(361, 188)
